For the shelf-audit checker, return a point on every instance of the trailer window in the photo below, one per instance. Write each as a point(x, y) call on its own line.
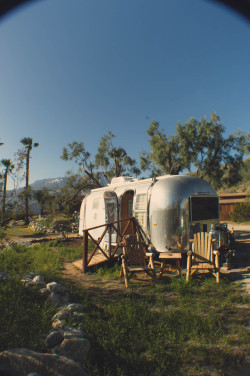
point(141, 210)
point(130, 207)
point(204, 208)
point(95, 203)
point(111, 211)
point(141, 218)
point(141, 202)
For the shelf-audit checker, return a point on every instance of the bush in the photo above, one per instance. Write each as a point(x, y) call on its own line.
point(61, 221)
point(241, 212)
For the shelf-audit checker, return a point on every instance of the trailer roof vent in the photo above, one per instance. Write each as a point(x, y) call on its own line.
point(122, 180)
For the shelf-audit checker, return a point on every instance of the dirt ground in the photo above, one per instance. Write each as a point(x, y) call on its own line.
point(239, 270)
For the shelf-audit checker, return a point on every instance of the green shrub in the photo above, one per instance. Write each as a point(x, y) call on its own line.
point(61, 221)
point(241, 212)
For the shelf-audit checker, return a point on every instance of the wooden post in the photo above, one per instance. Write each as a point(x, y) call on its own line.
point(217, 266)
point(85, 252)
point(109, 241)
point(188, 265)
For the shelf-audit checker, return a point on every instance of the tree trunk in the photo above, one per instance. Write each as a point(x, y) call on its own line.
point(4, 196)
point(27, 188)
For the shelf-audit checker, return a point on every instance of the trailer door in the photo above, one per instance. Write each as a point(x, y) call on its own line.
point(111, 213)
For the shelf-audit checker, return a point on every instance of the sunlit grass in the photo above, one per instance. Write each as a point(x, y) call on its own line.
point(19, 231)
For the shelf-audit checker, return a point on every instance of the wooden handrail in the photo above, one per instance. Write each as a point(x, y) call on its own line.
point(109, 223)
point(109, 228)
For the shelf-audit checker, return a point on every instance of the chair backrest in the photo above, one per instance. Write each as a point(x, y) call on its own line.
point(134, 251)
point(203, 247)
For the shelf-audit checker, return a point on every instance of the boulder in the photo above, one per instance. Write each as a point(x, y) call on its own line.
point(29, 276)
point(71, 332)
point(74, 348)
point(21, 362)
point(57, 288)
point(38, 279)
point(54, 338)
point(44, 292)
point(57, 299)
point(74, 307)
point(58, 324)
point(39, 282)
point(62, 314)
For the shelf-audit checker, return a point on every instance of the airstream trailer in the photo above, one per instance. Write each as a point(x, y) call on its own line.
point(168, 208)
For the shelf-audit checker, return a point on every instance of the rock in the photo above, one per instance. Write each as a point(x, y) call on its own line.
point(29, 276)
point(58, 324)
point(56, 287)
point(54, 338)
point(28, 283)
point(71, 332)
point(21, 362)
point(74, 307)
point(33, 374)
point(62, 314)
point(38, 279)
point(74, 348)
point(4, 276)
point(44, 292)
point(56, 299)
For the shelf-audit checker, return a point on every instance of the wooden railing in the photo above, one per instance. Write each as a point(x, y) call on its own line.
point(130, 226)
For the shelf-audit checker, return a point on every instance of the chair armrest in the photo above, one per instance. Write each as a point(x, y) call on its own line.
point(216, 252)
point(149, 254)
point(190, 253)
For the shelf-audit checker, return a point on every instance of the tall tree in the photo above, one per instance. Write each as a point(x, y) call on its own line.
point(25, 153)
point(108, 162)
point(200, 145)
point(114, 161)
point(8, 167)
point(43, 198)
point(215, 157)
point(164, 157)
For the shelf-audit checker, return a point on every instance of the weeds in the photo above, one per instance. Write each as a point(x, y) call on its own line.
point(142, 334)
point(112, 272)
point(170, 328)
point(18, 306)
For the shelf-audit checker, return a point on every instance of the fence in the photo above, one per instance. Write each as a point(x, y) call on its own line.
point(109, 254)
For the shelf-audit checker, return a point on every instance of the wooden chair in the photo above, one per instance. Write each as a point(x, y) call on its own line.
point(203, 256)
point(133, 259)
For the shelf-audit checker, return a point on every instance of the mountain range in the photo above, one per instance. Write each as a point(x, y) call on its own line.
point(52, 184)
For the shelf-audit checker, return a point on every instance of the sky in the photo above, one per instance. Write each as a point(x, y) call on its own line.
point(72, 70)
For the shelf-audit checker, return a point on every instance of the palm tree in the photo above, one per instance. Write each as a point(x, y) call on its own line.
point(8, 168)
point(28, 145)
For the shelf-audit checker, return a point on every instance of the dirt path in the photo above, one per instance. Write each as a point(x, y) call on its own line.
point(94, 283)
point(240, 269)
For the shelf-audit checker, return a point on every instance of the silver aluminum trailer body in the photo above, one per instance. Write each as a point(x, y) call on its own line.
point(168, 208)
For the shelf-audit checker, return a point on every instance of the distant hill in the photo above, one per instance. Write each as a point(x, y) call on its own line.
point(53, 185)
point(244, 184)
